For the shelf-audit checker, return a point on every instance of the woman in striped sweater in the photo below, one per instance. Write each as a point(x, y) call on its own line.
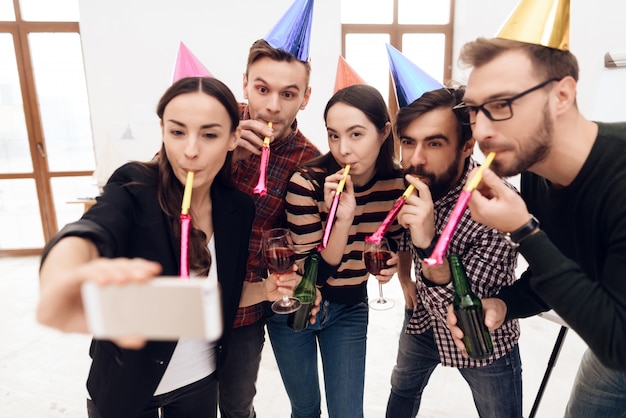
point(359, 134)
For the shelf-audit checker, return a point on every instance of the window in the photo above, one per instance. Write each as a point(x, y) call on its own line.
point(420, 29)
point(46, 144)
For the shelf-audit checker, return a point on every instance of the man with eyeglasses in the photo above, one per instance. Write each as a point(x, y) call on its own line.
point(521, 99)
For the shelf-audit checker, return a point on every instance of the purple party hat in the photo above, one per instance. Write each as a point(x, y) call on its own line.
point(187, 65)
point(409, 81)
point(292, 33)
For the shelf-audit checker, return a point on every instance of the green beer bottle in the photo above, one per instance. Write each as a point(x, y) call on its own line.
point(305, 292)
point(469, 313)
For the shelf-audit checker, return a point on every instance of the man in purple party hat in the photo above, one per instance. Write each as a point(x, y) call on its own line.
point(276, 86)
point(436, 147)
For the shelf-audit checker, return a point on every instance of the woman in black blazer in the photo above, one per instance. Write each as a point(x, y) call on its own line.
point(133, 233)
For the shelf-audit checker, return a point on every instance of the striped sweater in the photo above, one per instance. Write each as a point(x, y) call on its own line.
point(307, 216)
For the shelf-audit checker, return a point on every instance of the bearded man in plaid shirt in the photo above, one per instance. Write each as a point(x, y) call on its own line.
point(436, 151)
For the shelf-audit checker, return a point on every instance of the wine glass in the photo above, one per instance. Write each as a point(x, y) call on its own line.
point(376, 256)
point(279, 256)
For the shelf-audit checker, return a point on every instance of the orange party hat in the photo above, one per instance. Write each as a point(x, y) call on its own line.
point(346, 76)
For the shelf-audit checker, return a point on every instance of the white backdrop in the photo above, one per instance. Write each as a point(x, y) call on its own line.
point(130, 49)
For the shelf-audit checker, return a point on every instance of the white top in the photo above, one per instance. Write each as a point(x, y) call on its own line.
point(192, 359)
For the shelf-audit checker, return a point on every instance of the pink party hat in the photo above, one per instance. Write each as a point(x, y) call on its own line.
point(346, 76)
point(187, 65)
point(292, 33)
point(409, 81)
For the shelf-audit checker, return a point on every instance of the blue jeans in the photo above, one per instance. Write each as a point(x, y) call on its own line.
point(340, 331)
point(496, 388)
point(597, 391)
point(238, 374)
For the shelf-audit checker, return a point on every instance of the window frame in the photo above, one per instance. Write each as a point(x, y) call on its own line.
point(396, 31)
point(20, 29)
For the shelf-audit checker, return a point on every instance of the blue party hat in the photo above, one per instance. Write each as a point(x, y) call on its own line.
point(292, 33)
point(409, 81)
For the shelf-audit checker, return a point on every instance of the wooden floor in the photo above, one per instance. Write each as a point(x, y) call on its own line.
point(43, 372)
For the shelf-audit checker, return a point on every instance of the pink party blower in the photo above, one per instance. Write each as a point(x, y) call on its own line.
point(436, 258)
point(261, 188)
point(185, 220)
point(377, 236)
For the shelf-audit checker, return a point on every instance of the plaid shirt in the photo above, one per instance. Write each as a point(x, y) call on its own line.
point(490, 264)
point(286, 154)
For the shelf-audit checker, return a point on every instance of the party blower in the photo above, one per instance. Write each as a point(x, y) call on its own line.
point(436, 258)
point(261, 188)
point(185, 220)
point(377, 236)
point(333, 209)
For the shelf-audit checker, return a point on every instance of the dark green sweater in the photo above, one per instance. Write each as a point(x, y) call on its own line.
point(578, 261)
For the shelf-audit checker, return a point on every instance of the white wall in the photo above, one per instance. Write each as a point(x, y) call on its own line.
point(595, 27)
point(130, 49)
point(598, 26)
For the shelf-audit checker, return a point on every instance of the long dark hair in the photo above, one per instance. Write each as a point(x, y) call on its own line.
point(369, 101)
point(169, 189)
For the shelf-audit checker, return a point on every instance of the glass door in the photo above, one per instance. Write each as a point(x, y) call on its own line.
point(46, 147)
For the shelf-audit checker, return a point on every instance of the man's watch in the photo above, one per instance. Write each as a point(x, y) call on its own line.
point(520, 234)
point(424, 253)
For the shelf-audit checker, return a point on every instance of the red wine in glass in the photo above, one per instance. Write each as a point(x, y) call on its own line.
point(375, 257)
point(279, 256)
point(376, 261)
point(280, 259)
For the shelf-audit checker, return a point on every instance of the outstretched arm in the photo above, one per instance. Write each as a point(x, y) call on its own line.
point(71, 262)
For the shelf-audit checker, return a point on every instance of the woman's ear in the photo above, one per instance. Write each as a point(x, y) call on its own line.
point(386, 132)
point(234, 138)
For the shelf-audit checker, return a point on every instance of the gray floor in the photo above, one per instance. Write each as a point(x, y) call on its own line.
point(42, 371)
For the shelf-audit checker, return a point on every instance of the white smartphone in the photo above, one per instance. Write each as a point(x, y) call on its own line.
point(164, 308)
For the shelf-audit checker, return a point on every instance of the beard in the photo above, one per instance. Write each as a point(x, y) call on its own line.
point(537, 147)
point(441, 184)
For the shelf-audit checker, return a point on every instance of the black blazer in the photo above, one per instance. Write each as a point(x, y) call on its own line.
point(127, 221)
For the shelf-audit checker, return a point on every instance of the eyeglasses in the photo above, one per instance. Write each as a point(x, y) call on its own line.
point(498, 109)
